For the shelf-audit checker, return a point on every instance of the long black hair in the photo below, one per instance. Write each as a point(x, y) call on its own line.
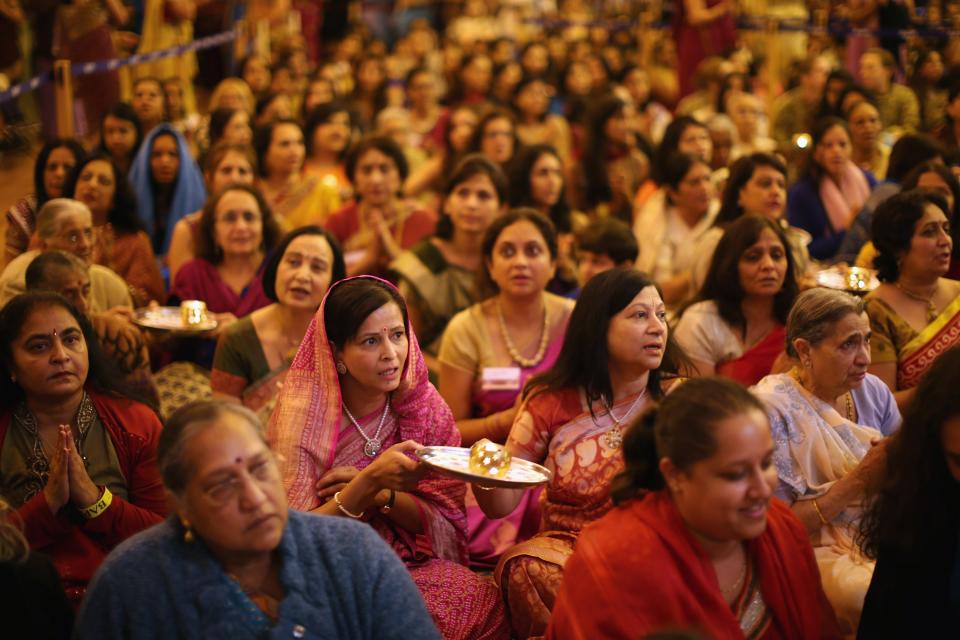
point(584, 360)
point(41, 165)
point(916, 503)
point(123, 212)
point(521, 191)
point(722, 284)
point(102, 374)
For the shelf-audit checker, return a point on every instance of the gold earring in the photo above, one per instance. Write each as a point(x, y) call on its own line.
point(188, 536)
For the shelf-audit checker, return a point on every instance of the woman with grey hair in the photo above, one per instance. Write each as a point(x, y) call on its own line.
point(235, 562)
point(829, 418)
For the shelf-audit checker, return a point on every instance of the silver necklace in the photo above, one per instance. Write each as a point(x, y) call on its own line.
point(373, 444)
point(614, 437)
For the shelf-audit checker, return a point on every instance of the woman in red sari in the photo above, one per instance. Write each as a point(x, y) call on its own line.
point(355, 404)
point(698, 540)
point(735, 327)
point(77, 457)
point(701, 28)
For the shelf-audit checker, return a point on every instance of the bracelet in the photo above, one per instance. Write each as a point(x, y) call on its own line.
point(390, 502)
point(343, 509)
point(819, 513)
point(98, 507)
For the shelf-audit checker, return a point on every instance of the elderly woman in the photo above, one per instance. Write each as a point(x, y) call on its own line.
point(76, 454)
point(355, 403)
point(377, 225)
point(915, 312)
point(254, 353)
point(719, 554)
point(911, 526)
point(168, 182)
point(735, 326)
point(121, 242)
point(829, 417)
point(572, 420)
point(235, 562)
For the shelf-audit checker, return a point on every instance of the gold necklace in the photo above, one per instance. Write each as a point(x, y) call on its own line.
point(733, 588)
point(931, 307)
point(525, 363)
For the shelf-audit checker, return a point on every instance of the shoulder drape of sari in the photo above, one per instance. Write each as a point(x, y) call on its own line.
point(920, 353)
point(21, 223)
point(639, 570)
point(305, 426)
point(757, 361)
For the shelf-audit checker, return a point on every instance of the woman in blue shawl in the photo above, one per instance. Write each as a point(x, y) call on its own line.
point(168, 183)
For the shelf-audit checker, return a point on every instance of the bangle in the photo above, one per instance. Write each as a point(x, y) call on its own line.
point(343, 509)
point(390, 502)
point(819, 513)
point(98, 507)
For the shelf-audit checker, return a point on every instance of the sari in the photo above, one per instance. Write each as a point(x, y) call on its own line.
point(21, 222)
point(638, 570)
point(914, 352)
point(816, 447)
point(240, 369)
point(304, 431)
point(557, 429)
point(757, 361)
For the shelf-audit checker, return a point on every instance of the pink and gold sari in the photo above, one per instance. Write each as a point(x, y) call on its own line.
point(556, 429)
point(937, 337)
point(305, 432)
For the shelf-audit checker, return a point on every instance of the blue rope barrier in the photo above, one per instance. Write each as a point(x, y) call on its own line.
point(101, 66)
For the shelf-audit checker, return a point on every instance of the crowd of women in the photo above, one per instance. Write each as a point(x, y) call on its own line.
point(538, 243)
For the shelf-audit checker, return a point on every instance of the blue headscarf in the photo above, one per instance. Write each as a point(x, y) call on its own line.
point(189, 191)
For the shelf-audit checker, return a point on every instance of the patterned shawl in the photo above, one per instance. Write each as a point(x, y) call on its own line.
point(305, 426)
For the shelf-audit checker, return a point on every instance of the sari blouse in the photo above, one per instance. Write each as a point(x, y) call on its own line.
point(240, 368)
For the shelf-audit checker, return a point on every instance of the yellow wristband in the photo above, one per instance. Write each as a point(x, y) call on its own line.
point(99, 506)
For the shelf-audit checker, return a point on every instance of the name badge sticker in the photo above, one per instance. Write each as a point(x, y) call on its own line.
point(500, 379)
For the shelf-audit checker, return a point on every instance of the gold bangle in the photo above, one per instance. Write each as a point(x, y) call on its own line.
point(819, 513)
point(98, 507)
point(343, 509)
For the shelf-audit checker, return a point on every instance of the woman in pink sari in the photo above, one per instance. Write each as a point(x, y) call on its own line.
point(355, 403)
point(490, 350)
point(572, 420)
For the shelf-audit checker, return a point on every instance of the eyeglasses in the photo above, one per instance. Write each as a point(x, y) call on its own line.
point(262, 474)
